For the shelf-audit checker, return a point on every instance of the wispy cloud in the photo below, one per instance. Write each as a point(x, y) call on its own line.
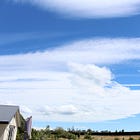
point(97, 51)
point(131, 85)
point(17, 37)
point(89, 8)
point(74, 81)
point(61, 110)
point(10, 38)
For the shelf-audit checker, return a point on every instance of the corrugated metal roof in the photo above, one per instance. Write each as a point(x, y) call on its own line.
point(7, 112)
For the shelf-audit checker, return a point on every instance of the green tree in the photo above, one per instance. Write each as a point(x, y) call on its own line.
point(20, 131)
point(88, 137)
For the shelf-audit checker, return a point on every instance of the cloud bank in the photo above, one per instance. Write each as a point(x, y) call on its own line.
point(89, 8)
point(96, 51)
point(71, 83)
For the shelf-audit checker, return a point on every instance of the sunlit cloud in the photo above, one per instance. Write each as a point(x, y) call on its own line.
point(89, 8)
point(97, 51)
point(71, 82)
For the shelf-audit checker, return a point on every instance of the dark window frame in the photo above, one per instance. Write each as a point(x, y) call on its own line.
point(11, 132)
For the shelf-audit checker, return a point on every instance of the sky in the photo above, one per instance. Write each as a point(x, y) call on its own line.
point(72, 63)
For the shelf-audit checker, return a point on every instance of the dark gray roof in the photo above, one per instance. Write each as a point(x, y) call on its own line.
point(7, 113)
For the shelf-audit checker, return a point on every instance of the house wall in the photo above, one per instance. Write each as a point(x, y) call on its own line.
point(5, 130)
point(2, 130)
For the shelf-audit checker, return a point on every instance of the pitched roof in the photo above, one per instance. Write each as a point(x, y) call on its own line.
point(7, 113)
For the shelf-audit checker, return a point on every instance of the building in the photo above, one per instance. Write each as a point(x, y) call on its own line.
point(9, 122)
point(28, 128)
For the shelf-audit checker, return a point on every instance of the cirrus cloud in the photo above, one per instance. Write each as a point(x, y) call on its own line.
point(89, 8)
point(97, 51)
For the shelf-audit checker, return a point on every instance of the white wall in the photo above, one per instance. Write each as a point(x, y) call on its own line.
point(4, 130)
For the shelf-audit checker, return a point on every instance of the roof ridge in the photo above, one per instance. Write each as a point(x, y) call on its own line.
point(10, 105)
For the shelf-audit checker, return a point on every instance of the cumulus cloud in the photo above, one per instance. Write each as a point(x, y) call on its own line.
point(102, 99)
point(46, 110)
point(94, 98)
point(71, 82)
point(61, 110)
point(102, 76)
point(67, 110)
point(89, 8)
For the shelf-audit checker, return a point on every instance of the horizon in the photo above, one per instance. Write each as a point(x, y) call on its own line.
point(72, 63)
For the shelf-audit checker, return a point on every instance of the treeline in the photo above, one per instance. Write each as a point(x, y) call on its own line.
point(55, 134)
point(70, 133)
point(59, 132)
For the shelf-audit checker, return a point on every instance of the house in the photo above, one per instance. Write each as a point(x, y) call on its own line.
point(9, 122)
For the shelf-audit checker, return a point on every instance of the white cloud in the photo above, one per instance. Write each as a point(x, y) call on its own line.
point(67, 110)
point(89, 8)
point(67, 84)
point(61, 110)
point(131, 85)
point(97, 51)
point(102, 77)
point(46, 110)
point(18, 37)
point(9, 38)
point(111, 102)
point(25, 110)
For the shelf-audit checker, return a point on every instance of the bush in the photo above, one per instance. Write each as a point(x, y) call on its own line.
point(88, 137)
point(116, 138)
point(131, 138)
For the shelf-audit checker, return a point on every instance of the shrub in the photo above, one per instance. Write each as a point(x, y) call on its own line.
point(131, 138)
point(116, 138)
point(88, 137)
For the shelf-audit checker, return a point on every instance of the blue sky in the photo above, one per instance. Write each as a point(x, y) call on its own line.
point(72, 63)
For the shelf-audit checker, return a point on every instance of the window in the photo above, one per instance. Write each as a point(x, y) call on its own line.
point(11, 132)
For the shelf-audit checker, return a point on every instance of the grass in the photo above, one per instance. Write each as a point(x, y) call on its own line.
point(113, 138)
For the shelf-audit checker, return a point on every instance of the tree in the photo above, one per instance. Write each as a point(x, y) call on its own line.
point(20, 131)
point(88, 137)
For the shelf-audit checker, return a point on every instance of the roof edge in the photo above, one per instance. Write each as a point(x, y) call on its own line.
point(4, 122)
